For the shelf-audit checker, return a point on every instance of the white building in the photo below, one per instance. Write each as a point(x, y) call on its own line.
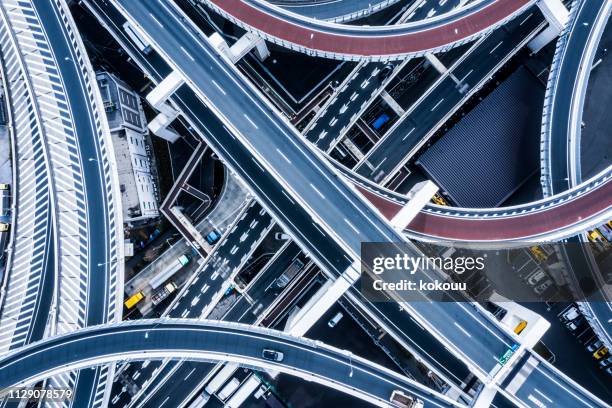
point(133, 152)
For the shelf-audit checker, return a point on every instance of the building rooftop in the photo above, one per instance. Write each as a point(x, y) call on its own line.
point(494, 149)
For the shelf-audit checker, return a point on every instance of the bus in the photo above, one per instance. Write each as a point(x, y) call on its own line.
point(137, 39)
point(134, 300)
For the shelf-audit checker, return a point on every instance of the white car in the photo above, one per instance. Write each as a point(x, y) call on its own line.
point(541, 288)
point(536, 277)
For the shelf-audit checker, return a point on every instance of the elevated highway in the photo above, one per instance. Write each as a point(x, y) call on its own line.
point(86, 214)
point(331, 40)
point(260, 136)
point(311, 202)
point(552, 218)
point(561, 138)
point(28, 280)
point(209, 340)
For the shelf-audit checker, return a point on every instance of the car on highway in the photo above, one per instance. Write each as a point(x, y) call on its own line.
point(594, 346)
point(605, 362)
point(600, 352)
point(272, 355)
point(385, 72)
point(541, 288)
point(536, 277)
point(334, 320)
point(213, 236)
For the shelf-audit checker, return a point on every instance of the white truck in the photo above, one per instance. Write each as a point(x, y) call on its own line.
point(163, 293)
point(401, 400)
point(170, 270)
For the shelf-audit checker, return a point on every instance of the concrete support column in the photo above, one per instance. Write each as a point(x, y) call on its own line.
point(392, 103)
point(436, 63)
point(326, 296)
point(418, 197)
point(555, 12)
point(241, 47)
point(160, 94)
point(485, 398)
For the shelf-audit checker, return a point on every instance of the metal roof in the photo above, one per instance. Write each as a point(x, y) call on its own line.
point(494, 149)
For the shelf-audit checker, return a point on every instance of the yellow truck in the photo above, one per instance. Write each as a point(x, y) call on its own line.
point(133, 300)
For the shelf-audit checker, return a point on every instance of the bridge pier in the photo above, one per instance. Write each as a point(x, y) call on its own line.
point(557, 16)
point(392, 103)
point(326, 296)
point(418, 197)
point(158, 98)
point(241, 47)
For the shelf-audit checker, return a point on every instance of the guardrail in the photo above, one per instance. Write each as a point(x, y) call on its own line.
point(32, 227)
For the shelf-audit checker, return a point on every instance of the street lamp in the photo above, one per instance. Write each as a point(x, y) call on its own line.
point(109, 262)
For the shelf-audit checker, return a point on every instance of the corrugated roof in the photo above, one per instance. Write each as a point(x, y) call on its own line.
point(494, 149)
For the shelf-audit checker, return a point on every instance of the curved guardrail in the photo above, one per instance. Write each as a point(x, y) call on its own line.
point(433, 219)
point(338, 41)
point(561, 133)
point(73, 231)
point(29, 267)
point(336, 11)
point(112, 266)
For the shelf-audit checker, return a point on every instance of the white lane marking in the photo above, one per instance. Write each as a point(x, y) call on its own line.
point(462, 329)
point(283, 156)
point(437, 104)
point(189, 375)
point(250, 121)
point(466, 75)
point(156, 20)
point(288, 198)
point(525, 19)
point(219, 88)
point(164, 401)
point(187, 54)
point(409, 133)
point(542, 395)
point(317, 190)
point(258, 165)
point(319, 229)
point(352, 226)
point(494, 48)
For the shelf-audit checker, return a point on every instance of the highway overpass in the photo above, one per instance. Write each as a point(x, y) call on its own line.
point(331, 40)
point(210, 340)
point(551, 218)
point(28, 281)
point(238, 139)
point(86, 224)
point(315, 204)
point(561, 138)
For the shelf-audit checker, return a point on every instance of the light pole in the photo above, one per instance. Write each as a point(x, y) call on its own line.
point(109, 262)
